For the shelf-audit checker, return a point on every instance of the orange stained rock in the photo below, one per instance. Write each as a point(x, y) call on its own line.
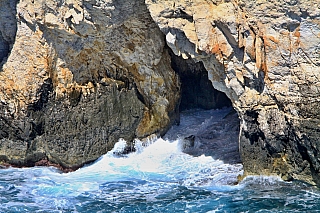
point(66, 74)
point(215, 49)
point(272, 38)
point(267, 43)
point(9, 85)
point(296, 33)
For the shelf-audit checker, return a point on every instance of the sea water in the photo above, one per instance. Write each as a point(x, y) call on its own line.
point(158, 177)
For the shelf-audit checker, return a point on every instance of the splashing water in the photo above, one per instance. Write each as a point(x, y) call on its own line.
point(158, 177)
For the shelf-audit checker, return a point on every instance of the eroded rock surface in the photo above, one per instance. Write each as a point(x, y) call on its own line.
point(212, 133)
point(265, 56)
point(81, 75)
point(78, 75)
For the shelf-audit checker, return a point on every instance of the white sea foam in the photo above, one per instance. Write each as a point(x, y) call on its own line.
point(156, 160)
point(161, 160)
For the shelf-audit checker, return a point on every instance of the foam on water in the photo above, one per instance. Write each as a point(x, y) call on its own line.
point(161, 160)
point(158, 177)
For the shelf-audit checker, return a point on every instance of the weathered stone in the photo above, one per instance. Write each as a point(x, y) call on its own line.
point(265, 56)
point(219, 140)
point(81, 75)
point(78, 75)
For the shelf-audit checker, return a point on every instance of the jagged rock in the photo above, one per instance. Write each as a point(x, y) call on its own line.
point(78, 75)
point(81, 75)
point(218, 138)
point(265, 56)
point(188, 142)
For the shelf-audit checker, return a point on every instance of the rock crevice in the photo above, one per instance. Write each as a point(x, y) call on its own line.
point(8, 28)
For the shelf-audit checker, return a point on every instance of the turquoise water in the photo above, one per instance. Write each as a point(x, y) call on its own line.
point(159, 177)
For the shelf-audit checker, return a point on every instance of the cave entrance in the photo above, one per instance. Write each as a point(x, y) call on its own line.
point(217, 135)
point(8, 29)
point(196, 89)
point(4, 49)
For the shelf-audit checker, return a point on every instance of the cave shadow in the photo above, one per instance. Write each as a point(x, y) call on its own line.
point(220, 137)
point(8, 30)
point(196, 88)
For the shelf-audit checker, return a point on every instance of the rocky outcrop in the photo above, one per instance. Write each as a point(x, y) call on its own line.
point(81, 75)
point(265, 56)
point(78, 75)
point(215, 136)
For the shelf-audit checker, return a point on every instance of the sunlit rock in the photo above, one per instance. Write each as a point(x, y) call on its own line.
point(265, 56)
point(81, 75)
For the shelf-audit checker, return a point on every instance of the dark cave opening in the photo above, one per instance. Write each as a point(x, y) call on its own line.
point(220, 138)
point(8, 29)
point(196, 88)
point(4, 48)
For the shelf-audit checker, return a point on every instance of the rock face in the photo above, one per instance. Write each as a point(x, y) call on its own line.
point(78, 75)
point(265, 56)
point(81, 75)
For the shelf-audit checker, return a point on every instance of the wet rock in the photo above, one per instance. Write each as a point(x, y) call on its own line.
point(219, 140)
point(187, 142)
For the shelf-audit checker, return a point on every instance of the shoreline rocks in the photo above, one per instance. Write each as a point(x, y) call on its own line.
point(78, 75)
point(264, 56)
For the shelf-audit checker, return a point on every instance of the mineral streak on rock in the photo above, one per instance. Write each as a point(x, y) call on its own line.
point(265, 56)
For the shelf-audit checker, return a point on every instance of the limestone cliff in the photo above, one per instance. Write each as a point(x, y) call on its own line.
point(265, 56)
point(80, 75)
